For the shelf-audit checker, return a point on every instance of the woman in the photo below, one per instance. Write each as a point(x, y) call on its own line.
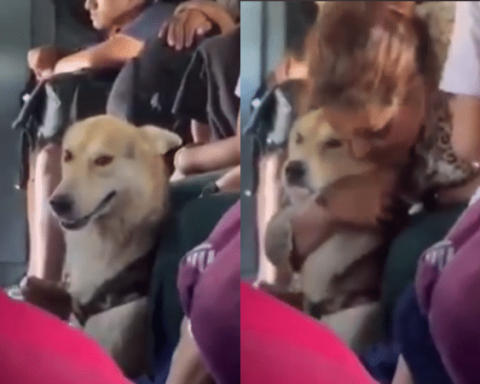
point(377, 83)
point(383, 101)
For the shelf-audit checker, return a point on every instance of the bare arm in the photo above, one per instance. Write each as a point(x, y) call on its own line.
point(210, 157)
point(230, 181)
point(112, 53)
point(466, 122)
point(42, 60)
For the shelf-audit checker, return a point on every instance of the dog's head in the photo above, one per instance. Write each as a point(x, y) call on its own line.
point(317, 156)
point(111, 167)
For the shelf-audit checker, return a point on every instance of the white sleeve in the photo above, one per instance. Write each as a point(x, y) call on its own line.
point(461, 74)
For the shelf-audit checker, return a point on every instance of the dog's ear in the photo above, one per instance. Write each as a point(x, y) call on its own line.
point(164, 140)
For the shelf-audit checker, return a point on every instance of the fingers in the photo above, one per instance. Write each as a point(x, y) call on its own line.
point(44, 74)
point(196, 26)
point(205, 28)
point(190, 31)
point(182, 30)
point(171, 31)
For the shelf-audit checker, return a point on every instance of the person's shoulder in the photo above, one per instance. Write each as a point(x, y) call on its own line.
point(160, 7)
point(148, 23)
point(216, 44)
point(438, 165)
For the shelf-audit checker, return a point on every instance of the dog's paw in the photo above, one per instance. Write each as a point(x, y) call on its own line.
point(48, 296)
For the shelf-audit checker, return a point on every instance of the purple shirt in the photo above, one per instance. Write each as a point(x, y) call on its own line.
point(209, 288)
point(448, 291)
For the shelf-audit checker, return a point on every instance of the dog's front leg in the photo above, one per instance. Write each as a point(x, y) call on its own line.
point(49, 296)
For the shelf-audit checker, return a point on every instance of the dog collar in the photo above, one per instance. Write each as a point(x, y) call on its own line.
point(128, 285)
point(329, 306)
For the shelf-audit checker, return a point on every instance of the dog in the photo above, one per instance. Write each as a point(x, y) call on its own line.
point(340, 281)
point(110, 201)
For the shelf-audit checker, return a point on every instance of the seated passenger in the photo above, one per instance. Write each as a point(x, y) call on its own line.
point(215, 117)
point(127, 24)
point(209, 289)
point(145, 90)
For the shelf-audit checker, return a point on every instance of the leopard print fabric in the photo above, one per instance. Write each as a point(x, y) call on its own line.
point(438, 165)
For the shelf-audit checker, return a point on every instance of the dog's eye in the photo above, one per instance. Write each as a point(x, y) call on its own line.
point(298, 138)
point(67, 156)
point(102, 161)
point(333, 143)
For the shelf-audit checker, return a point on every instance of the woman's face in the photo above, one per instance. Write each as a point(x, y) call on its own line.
point(381, 134)
point(105, 14)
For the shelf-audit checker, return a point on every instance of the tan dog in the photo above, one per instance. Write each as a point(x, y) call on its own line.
point(110, 201)
point(343, 273)
point(316, 158)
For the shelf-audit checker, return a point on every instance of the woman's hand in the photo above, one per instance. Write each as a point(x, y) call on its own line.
point(365, 200)
point(311, 225)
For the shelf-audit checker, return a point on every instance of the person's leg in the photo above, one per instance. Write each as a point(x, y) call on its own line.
point(187, 364)
point(402, 373)
point(420, 358)
point(47, 247)
point(30, 190)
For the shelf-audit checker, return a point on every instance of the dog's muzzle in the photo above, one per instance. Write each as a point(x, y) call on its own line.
point(62, 206)
point(295, 173)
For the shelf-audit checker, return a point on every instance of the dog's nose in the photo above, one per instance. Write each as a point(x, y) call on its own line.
point(61, 204)
point(295, 172)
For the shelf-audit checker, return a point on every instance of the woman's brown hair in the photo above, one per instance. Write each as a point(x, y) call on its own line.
point(361, 52)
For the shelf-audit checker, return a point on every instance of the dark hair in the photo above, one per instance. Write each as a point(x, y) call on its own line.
point(361, 52)
point(300, 17)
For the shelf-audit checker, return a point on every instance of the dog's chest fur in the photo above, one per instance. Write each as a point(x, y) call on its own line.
point(343, 272)
point(333, 259)
point(94, 256)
